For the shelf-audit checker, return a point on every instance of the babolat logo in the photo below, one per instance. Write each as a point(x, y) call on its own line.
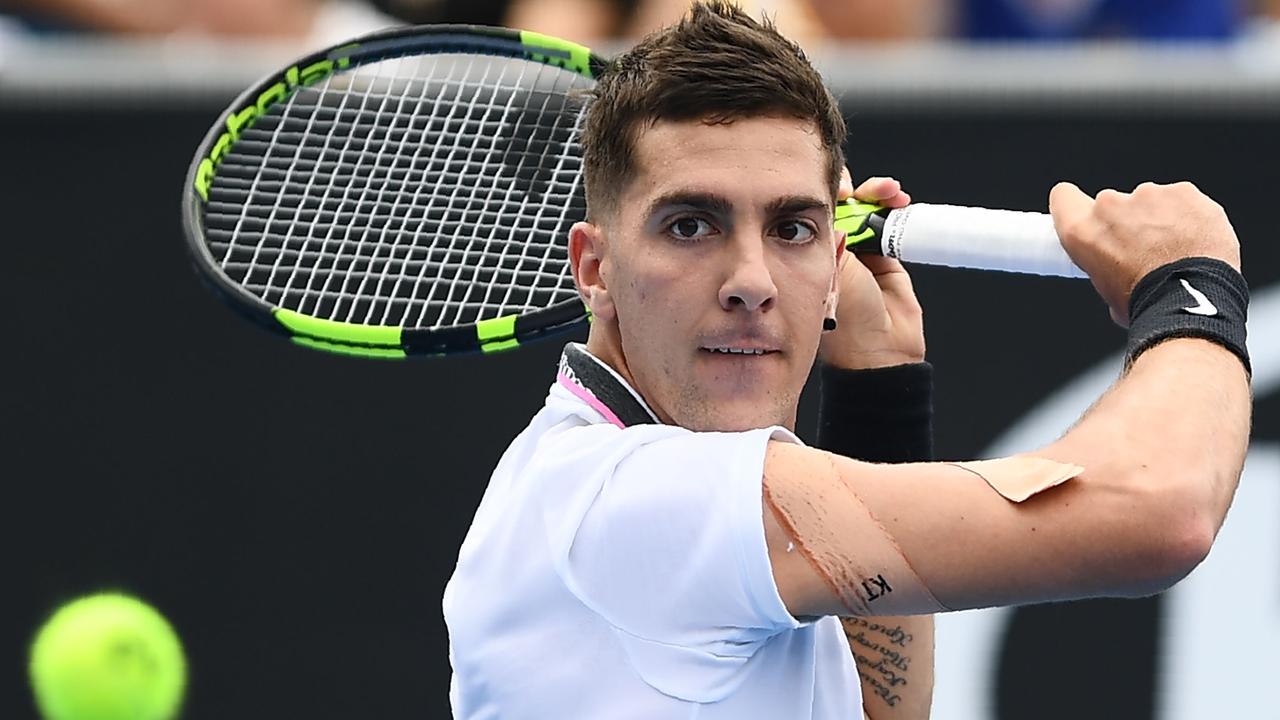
point(238, 121)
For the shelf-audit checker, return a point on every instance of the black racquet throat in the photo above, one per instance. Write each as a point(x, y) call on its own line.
point(411, 193)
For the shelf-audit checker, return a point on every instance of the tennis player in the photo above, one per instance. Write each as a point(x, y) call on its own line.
point(658, 543)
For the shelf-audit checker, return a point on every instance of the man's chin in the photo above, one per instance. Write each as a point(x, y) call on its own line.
point(742, 426)
point(728, 418)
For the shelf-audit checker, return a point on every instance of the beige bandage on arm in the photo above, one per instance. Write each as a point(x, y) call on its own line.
point(852, 551)
point(1018, 478)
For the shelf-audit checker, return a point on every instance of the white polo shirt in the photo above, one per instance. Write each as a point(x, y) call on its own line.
point(616, 568)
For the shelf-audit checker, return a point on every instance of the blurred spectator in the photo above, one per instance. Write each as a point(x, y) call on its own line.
point(864, 19)
point(584, 21)
point(588, 21)
point(594, 21)
point(114, 16)
point(808, 20)
point(419, 12)
point(307, 21)
point(1033, 19)
point(1077, 19)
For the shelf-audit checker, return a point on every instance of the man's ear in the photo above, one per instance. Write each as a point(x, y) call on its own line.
point(587, 250)
point(833, 292)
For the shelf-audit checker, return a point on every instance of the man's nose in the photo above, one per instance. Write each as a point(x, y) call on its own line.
point(749, 283)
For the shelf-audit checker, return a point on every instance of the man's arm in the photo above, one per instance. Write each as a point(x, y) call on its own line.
point(885, 415)
point(894, 656)
point(877, 406)
point(1161, 453)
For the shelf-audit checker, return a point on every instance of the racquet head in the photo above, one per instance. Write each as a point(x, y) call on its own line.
point(407, 193)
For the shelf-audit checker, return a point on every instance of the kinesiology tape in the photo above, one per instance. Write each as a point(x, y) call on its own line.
point(853, 552)
point(848, 547)
point(1195, 297)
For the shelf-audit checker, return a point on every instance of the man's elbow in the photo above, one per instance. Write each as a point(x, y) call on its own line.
point(1182, 521)
point(1177, 553)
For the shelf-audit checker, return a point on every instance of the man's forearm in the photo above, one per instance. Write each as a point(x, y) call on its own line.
point(1177, 425)
point(885, 415)
point(894, 656)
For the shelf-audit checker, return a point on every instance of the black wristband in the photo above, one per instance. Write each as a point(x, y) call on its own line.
point(878, 415)
point(1196, 297)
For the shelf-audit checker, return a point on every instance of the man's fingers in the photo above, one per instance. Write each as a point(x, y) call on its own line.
point(876, 189)
point(1069, 206)
point(900, 200)
point(879, 265)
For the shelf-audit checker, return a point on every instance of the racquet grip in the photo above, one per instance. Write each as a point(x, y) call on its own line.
point(968, 237)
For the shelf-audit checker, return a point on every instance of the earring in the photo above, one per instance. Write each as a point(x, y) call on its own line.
point(828, 324)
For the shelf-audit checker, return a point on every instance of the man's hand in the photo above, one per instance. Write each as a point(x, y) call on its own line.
point(1119, 237)
point(879, 321)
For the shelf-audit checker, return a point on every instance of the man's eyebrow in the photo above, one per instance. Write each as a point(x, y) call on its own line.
point(704, 201)
point(719, 205)
point(794, 204)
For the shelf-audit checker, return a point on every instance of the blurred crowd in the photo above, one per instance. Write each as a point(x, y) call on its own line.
point(594, 21)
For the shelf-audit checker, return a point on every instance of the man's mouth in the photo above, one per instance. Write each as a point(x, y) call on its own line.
point(731, 350)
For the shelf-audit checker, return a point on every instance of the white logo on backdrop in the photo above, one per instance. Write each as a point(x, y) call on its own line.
point(1220, 634)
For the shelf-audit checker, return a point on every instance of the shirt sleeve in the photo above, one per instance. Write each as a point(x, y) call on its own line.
point(663, 537)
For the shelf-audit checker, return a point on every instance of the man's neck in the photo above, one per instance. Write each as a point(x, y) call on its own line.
point(606, 347)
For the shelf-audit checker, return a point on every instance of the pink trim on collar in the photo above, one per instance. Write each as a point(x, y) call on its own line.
point(589, 398)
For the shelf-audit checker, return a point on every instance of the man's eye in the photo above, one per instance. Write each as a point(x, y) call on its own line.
point(795, 231)
point(690, 228)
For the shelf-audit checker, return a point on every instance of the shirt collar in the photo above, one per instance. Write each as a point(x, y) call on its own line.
point(601, 387)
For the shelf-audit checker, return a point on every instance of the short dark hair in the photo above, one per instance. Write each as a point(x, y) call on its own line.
point(717, 64)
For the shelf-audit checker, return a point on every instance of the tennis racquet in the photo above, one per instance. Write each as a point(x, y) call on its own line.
point(411, 192)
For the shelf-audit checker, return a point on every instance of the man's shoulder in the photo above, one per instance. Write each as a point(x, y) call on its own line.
point(554, 442)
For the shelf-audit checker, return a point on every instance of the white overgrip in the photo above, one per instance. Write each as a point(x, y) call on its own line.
point(979, 238)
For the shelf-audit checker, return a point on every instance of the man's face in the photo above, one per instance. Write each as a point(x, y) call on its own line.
point(719, 267)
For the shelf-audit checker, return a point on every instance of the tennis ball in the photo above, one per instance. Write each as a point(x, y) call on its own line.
point(107, 657)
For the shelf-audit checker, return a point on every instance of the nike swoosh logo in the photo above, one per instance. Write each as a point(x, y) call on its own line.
point(1203, 306)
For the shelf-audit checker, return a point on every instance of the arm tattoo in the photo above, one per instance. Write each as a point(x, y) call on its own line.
point(880, 652)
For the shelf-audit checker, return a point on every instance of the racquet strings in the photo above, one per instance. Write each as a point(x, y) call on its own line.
point(422, 192)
